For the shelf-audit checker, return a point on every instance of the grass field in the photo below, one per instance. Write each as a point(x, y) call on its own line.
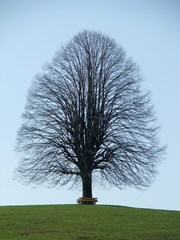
point(82, 222)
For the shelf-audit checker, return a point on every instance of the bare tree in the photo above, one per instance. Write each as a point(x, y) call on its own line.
point(86, 115)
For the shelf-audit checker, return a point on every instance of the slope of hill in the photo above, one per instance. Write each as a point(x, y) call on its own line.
point(82, 222)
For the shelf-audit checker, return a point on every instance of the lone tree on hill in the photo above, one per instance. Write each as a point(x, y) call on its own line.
point(87, 117)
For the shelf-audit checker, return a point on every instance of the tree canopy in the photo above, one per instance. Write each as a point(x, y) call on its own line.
point(87, 116)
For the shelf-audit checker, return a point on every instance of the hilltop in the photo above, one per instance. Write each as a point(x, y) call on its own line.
point(83, 222)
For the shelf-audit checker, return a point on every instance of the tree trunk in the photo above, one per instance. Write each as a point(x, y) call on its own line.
point(87, 185)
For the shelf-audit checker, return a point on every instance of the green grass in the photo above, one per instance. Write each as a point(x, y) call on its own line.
point(82, 222)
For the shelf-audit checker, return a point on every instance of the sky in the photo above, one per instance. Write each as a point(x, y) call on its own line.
point(148, 30)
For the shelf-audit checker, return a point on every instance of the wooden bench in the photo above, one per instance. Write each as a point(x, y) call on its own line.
point(87, 200)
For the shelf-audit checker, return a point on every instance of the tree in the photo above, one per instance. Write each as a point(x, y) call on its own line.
point(86, 116)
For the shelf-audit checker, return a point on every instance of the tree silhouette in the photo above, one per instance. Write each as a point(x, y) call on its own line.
point(86, 116)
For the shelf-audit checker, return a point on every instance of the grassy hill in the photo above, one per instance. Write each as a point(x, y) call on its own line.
point(80, 222)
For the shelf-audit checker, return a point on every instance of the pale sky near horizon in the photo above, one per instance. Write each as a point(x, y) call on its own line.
point(148, 30)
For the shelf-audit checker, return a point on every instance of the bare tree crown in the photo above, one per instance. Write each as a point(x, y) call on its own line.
point(87, 114)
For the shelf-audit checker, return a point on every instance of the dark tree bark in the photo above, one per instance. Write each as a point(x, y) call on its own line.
point(87, 185)
point(87, 116)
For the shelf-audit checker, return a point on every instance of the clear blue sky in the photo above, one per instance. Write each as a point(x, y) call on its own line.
point(149, 30)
